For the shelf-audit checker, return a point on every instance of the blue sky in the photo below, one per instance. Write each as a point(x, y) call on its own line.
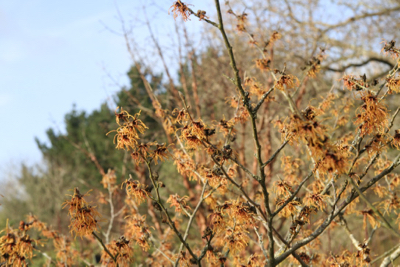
point(54, 54)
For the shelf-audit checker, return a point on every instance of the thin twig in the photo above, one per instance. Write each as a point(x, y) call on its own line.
point(105, 248)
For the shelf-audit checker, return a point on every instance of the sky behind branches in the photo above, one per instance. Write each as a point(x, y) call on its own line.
point(54, 54)
point(58, 53)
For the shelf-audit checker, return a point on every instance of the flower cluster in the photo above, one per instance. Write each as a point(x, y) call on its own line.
point(391, 49)
point(128, 130)
point(314, 66)
point(83, 216)
point(194, 133)
point(137, 229)
point(352, 83)
point(393, 84)
point(135, 190)
point(236, 239)
point(184, 164)
point(368, 215)
point(121, 250)
point(263, 64)
point(310, 131)
point(179, 203)
point(287, 82)
point(16, 247)
point(181, 9)
point(109, 179)
point(372, 116)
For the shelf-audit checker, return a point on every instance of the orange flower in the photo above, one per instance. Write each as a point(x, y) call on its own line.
point(178, 202)
point(137, 229)
point(393, 84)
point(109, 179)
point(185, 165)
point(254, 261)
point(180, 9)
point(310, 132)
point(201, 14)
point(392, 203)
point(316, 200)
point(236, 239)
point(289, 209)
point(282, 188)
point(241, 21)
point(396, 139)
point(372, 115)
point(287, 82)
point(369, 216)
point(351, 83)
point(128, 132)
point(190, 138)
point(83, 216)
point(181, 115)
point(217, 221)
point(389, 48)
point(184, 259)
point(243, 212)
point(160, 153)
point(65, 253)
point(315, 68)
point(226, 126)
point(263, 64)
point(16, 247)
point(119, 249)
point(332, 162)
point(275, 36)
point(136, 190)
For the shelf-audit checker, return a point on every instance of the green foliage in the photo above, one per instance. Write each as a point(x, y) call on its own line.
point(69, 156)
